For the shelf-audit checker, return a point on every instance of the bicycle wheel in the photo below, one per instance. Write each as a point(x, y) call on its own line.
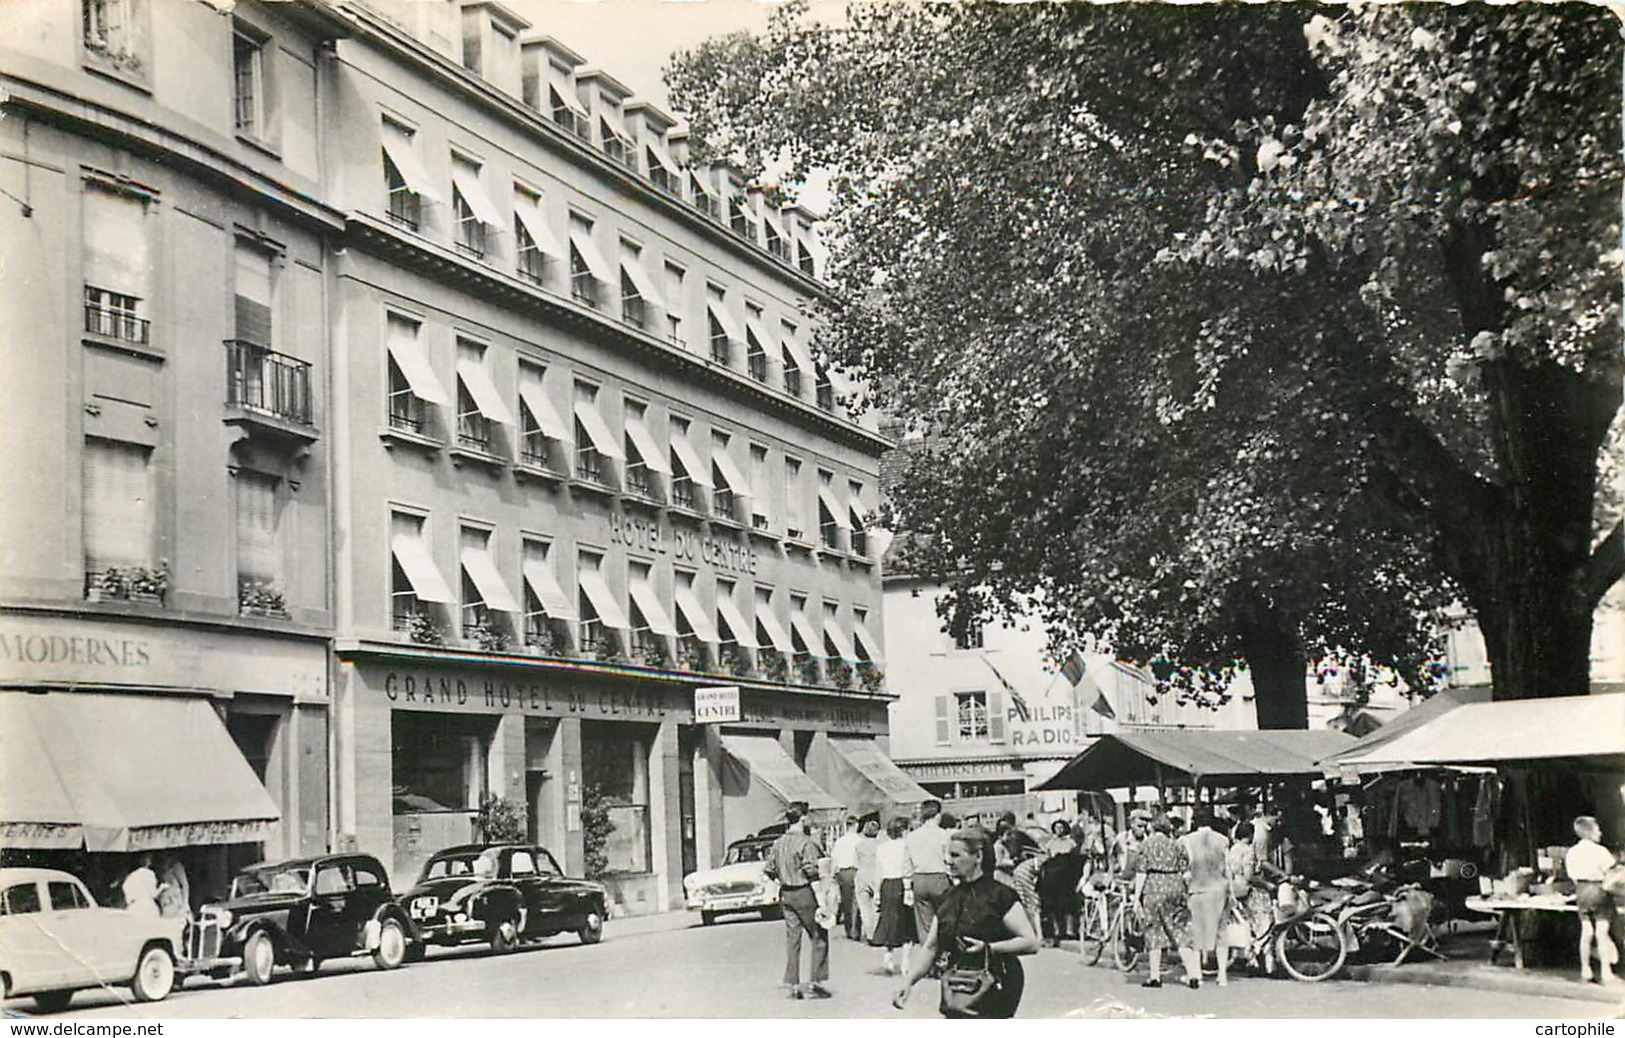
point(1312, 948)
point(1128, 939)
point(1091, 935)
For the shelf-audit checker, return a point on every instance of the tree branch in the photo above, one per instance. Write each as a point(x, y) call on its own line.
point(1606, 565)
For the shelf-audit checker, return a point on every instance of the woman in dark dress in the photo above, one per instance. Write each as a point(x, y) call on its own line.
point(979, 917)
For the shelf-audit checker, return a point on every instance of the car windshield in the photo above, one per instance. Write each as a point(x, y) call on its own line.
point(746, 852)
point(284, 879)
point(450, 865)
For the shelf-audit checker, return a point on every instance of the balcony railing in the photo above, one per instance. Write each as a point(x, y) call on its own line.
point(113, 314)
point(649, 648)
point(721, 349)
point(533, 266)
point(474, 431)
point(792, 380)
point(684, 494)
point(756, 365)
point(263, 380)
point(634, 311)
point(534, 451)
point(590, 466)
point(723, 502)
point(641, 481)
point(584, 288)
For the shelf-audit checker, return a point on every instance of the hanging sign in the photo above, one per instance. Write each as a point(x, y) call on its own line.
point(716, 705)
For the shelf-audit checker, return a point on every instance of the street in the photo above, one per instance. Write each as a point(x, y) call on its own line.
point(733, 970)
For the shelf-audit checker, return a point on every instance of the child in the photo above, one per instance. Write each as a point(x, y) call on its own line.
point(1586, 863)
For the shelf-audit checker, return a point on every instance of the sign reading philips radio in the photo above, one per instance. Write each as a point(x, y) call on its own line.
point(716, 705)
point(661, 538)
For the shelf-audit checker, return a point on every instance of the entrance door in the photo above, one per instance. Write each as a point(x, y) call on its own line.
point(688, 744)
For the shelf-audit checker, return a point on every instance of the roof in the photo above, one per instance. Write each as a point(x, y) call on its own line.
point(1142, 758)
point(1575, 729)
point(1435, 705)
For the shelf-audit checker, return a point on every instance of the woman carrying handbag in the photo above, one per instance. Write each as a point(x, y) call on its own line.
point(980, 929)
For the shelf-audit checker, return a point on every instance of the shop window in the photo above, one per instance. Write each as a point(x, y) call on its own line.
point(438, 761)
point(615, 772)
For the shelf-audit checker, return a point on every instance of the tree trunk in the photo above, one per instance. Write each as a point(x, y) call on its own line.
point(1275, 655)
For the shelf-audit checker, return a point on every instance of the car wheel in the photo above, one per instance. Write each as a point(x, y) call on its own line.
point(259, 958)
point(154, 975)
point(708, 918)
point(53, 1001)
point(504, 936)
point(593, 931)
point(391, 950)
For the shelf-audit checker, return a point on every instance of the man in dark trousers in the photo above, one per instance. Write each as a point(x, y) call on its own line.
point(793, 861)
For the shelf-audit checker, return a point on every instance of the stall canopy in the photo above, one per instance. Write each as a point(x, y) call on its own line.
point(1586, 730)
point(123, 773)
point(865, 779)
point(1156, 758)
point(759, 779)
point(1347, 760)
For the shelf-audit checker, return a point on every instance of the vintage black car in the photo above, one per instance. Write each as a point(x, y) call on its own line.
point(297, 913)
point(502, 894)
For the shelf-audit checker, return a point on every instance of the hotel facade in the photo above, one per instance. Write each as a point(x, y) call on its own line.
point(400, 395)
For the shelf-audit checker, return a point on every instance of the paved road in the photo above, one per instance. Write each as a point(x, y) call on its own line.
point(732, 970)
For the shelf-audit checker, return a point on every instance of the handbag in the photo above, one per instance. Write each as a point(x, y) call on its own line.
point(964, 988)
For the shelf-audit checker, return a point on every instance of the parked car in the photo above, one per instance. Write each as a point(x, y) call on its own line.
point(739, 884)
point(55, 940)
point(502, 894)
point(298, 913)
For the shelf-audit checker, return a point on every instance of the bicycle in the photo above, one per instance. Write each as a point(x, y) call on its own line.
point(1310, 944)
point(1109, 917)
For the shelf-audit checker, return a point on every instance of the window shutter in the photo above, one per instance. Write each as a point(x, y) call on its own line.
point(253, 295)
point(115, 240)
point(117, 505)
point(945, 720)
point(995, 717)
point(258, 557)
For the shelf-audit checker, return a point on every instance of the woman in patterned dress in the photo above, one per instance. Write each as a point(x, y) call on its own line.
point(1160, 892)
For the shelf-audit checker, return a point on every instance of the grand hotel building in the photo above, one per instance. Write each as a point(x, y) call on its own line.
point(388, 386)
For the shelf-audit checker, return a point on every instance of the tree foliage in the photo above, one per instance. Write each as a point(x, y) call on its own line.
point(1218, 321)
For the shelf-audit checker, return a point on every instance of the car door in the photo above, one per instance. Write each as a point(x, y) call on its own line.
point(98, 946)
point(553, 897)
point(31, 956)
point(523, 873)
point(369, 890)
point(330, 933)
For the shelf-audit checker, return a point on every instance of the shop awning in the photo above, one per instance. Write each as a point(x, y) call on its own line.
point(767, 763)
point(477, 380)
point(838, 638)
point(868, 642)
point(643, 281)
point(744, 632)
point(123, 772)
point(699, 621)
point(696, 470)
point(732, 475)
point(810, 641)
point(413, 360)
point(654, 614)
point(730, 327)
point(1179, 758)
point(836, 513)
point(420, 570)
point(865, 779)
point(534, 221)
point(542, 411)
point(654, 458)
point(775, 630)
point(603, 441)
point(603, 601)
point(405, 159)
point(1347, 760)
point(545, 586)
point(467, 183)
point(492, 588)
point(1575, 729)
point(581, 238)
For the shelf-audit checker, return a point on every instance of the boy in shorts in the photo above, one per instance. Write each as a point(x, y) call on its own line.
point(1586, 863)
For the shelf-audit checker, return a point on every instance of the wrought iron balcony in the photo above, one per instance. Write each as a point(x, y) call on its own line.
point(263, 382)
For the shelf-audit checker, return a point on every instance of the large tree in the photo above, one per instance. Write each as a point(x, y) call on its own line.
point(1166, 400)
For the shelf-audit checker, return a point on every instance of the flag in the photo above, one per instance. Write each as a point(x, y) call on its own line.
point(1016, 702)
point(1074, 668)
point(1086, 691)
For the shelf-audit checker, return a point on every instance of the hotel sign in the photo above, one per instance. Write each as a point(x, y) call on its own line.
point(716, 705)
point(661, 538)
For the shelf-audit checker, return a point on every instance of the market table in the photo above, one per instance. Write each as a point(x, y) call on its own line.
point(1506, 910)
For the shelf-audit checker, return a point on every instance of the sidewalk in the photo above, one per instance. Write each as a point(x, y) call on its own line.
point(659, 922)
point(1477, 973)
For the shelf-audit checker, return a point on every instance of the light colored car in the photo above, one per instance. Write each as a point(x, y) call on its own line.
point(55, 940)
point(739, 884)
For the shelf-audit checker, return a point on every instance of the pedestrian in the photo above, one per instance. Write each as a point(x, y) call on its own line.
point(928, 857)
point(1058, 876)
point(1159, 893)
point(948, 822)
point(895, 929)
point(844, 855)
point(1126, 845)
point(1586, 863)
point(793, 861)
point(175, 891)
point(140, 888)
point(1248, 890)
point(979, 925)
point(866, 884)
point(1208, 889)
